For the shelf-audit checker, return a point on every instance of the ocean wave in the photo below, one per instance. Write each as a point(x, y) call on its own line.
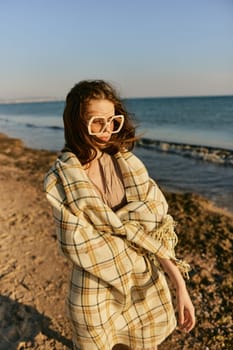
point(205, 153)
point(53, 127)
point(30, 125)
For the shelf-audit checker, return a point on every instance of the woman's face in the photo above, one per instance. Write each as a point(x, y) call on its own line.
point(104, 109)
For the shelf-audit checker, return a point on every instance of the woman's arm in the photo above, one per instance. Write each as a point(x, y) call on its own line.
point(184, 303)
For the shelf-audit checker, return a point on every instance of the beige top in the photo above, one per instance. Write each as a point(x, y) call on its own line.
point(105, 174)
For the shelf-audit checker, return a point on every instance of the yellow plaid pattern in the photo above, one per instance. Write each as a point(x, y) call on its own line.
point(117, 294)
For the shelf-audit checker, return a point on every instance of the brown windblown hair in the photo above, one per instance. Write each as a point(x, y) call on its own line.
point(76, 134)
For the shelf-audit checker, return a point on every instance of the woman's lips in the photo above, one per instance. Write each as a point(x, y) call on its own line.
point(105, 138)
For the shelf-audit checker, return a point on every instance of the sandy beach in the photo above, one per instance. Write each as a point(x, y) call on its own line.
point(34, 275)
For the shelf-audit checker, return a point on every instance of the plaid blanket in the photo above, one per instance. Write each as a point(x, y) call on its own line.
point(118, 293)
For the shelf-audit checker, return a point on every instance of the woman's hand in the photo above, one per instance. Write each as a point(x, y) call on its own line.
point(185, 310)
point(185, 307)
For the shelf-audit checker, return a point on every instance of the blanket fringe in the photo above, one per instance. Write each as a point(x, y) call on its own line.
point(166, 235)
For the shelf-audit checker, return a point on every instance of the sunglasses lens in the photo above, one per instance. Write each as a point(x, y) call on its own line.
point(117, 123)
point(98, 125)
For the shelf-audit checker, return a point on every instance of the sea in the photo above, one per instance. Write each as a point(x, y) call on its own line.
point(186, 142)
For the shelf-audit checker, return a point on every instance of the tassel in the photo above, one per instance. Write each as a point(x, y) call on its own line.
point(166, 235)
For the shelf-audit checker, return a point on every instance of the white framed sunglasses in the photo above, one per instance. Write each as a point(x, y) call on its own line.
point(97, 125)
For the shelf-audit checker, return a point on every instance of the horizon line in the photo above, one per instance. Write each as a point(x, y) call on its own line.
point(61, 99)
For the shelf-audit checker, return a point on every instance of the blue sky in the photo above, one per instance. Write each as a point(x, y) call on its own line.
point(144, 47)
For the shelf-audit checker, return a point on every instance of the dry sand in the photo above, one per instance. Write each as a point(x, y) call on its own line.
point(34, 276)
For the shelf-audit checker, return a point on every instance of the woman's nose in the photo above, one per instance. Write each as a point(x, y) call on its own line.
point(108, 127)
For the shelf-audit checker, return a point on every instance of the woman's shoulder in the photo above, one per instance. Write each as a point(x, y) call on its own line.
point(63, 161)
point(67, 158)
point(131, 159)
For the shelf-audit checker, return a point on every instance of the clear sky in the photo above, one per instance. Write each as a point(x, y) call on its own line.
point(144, 47)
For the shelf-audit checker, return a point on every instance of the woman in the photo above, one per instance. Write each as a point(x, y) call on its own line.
point(112, 223)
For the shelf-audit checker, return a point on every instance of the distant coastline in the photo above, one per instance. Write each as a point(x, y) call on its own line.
point(31, 100)
point(62, 99)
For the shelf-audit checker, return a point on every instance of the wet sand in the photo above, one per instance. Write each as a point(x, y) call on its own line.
point(34, 276)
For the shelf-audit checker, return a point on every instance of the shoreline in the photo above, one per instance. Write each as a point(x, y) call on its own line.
point(6, 140)
point(34, 276)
